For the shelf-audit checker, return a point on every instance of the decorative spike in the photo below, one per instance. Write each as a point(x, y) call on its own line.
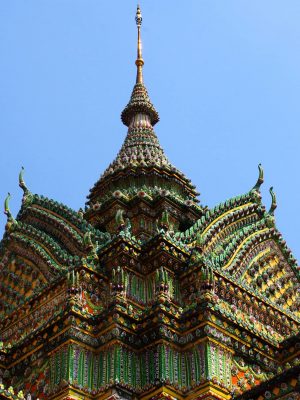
point(139, 61)
point(6, 206)
point(10, 219)
point(260, 179)
point(22, 183)
point(274, 203)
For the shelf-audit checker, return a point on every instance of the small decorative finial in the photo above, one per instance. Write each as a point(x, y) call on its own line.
point(6, 205)
point(139, 61)
point(163, 223)
point(138, 16)
point(260, 179)
point(274, 203)
point(22, 183)
point(120, 221)
point(87, 240)
point(10, 219)
point(90, 247)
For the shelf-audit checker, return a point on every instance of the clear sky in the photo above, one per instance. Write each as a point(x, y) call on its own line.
point(224, 76)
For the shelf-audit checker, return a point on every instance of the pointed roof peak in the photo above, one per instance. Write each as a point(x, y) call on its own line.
point(139, 102)
point(141, 160)
point(139, 61)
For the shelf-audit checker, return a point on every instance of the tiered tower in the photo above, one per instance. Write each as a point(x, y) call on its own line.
point(147, 294)
point(141, 174)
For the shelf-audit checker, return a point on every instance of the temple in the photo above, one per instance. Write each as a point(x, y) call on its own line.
point(145, 293)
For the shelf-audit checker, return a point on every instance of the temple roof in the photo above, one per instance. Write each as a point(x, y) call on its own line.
point(88, 299)
point(45, 241)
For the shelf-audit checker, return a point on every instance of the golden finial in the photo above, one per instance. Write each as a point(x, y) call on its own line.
point(139, 61)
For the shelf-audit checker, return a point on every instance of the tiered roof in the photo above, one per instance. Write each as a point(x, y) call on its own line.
point(218, 301)
point(141, 153)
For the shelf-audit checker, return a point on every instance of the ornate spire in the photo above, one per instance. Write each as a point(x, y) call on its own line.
point(139, 61)
point(141, 161)
point(139, 101)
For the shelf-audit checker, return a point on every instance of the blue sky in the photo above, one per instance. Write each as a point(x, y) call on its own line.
point(224, 76)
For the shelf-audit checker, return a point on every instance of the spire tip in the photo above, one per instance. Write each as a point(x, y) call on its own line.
point(139, 61)
point(138, 16)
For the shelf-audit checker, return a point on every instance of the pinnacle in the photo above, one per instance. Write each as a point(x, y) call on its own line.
point(139, 103)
